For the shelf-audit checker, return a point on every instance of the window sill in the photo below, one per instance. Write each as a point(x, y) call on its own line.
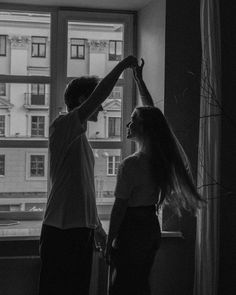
point(30, 230)
point(172, 234)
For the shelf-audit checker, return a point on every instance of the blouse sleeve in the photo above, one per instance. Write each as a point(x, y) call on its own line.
point(124, 183)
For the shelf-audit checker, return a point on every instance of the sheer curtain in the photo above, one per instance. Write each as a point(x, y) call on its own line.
point(207, 240)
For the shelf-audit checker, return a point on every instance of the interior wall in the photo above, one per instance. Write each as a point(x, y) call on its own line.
point(151, 47)
point(168, 38)
point(182, 102)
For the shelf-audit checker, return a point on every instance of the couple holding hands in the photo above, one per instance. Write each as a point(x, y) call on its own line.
point(158, 171)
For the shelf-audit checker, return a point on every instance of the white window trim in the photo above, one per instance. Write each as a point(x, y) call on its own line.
point(29, 120)
point(113, 165)
point(107, 125)
point(27, 165)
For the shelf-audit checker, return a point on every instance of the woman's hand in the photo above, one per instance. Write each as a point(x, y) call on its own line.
point(138, 71)
point(130, 62)
point(108, 253)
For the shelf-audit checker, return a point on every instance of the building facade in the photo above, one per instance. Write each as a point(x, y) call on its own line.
point(25, 42)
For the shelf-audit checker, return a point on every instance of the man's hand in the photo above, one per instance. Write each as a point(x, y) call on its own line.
point(100, 237)
point(138, 71)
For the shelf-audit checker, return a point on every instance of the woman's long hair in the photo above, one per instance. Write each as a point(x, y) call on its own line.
point(169, 165)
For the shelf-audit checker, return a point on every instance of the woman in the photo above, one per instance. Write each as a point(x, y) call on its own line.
point(158, 171)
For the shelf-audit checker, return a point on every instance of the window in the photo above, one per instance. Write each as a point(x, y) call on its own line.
point(38, 46)
point(77, 48)
point(117, 93)
point(2, 89)
point(2, 126)
point(115, 50)
point(2, 165)
point(37, 126)
point(38, 94)
point(112, 165)
point(37, 165)
point(31, 80)
point(3, 45)
point(114, 124)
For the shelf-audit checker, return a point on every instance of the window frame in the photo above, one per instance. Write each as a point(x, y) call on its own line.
point(28, 166)
point(5, 89)
point(117, 57)
point(108, 127)
point(58, 80)
point(38, 94)
point(4, 165)
point(77, 49)
point(38, 47)
point(113, 162)
point(5, 50)
point(38, 123)
point(4, 127)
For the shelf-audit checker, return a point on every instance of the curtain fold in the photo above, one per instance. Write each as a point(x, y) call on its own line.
point(207, 238)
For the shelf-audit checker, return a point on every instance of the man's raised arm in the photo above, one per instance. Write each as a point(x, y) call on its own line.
point(104, 88)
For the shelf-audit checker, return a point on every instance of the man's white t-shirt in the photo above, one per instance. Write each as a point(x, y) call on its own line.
point(71, 202)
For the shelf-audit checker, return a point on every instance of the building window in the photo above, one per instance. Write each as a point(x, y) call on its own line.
point(2, 89)
point(38, 48)
point(2, 165)
point(38, 94)
point(37, 165)
point(3, 45)
point(116, 93)
point(2, 126)
point(77, 48)
point(115, 50)
point(114, 124)
point(37, 126)
point(112, 165)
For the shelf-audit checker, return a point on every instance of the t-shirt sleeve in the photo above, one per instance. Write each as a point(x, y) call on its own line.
point(68, 126)
point(124, 184)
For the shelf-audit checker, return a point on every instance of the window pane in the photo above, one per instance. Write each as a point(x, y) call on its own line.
point(74, 51)
point(107, 128)
point(3, 45)
point(2, 125)
point(93, 57)
point(119, 48)
point(104, 172)
point(2, 165)
point(42, 50)
point(81, 51)
point(2, 89)
point(23, 189)
point(22, 45)
point(112, 48)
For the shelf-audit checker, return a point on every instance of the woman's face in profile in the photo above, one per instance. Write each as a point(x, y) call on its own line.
point(133, 127)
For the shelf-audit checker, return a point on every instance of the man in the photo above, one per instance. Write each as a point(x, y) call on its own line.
point(66, 242)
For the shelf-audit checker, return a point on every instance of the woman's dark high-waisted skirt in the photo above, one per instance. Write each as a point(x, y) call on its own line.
point(136, 246)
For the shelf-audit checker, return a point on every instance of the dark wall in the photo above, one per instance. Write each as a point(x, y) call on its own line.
point(228, 152)
point(182, 102)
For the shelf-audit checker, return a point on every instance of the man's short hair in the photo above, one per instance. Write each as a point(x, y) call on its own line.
point(78, 90)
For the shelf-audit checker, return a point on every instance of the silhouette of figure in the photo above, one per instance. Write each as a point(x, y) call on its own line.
point(67, 236)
